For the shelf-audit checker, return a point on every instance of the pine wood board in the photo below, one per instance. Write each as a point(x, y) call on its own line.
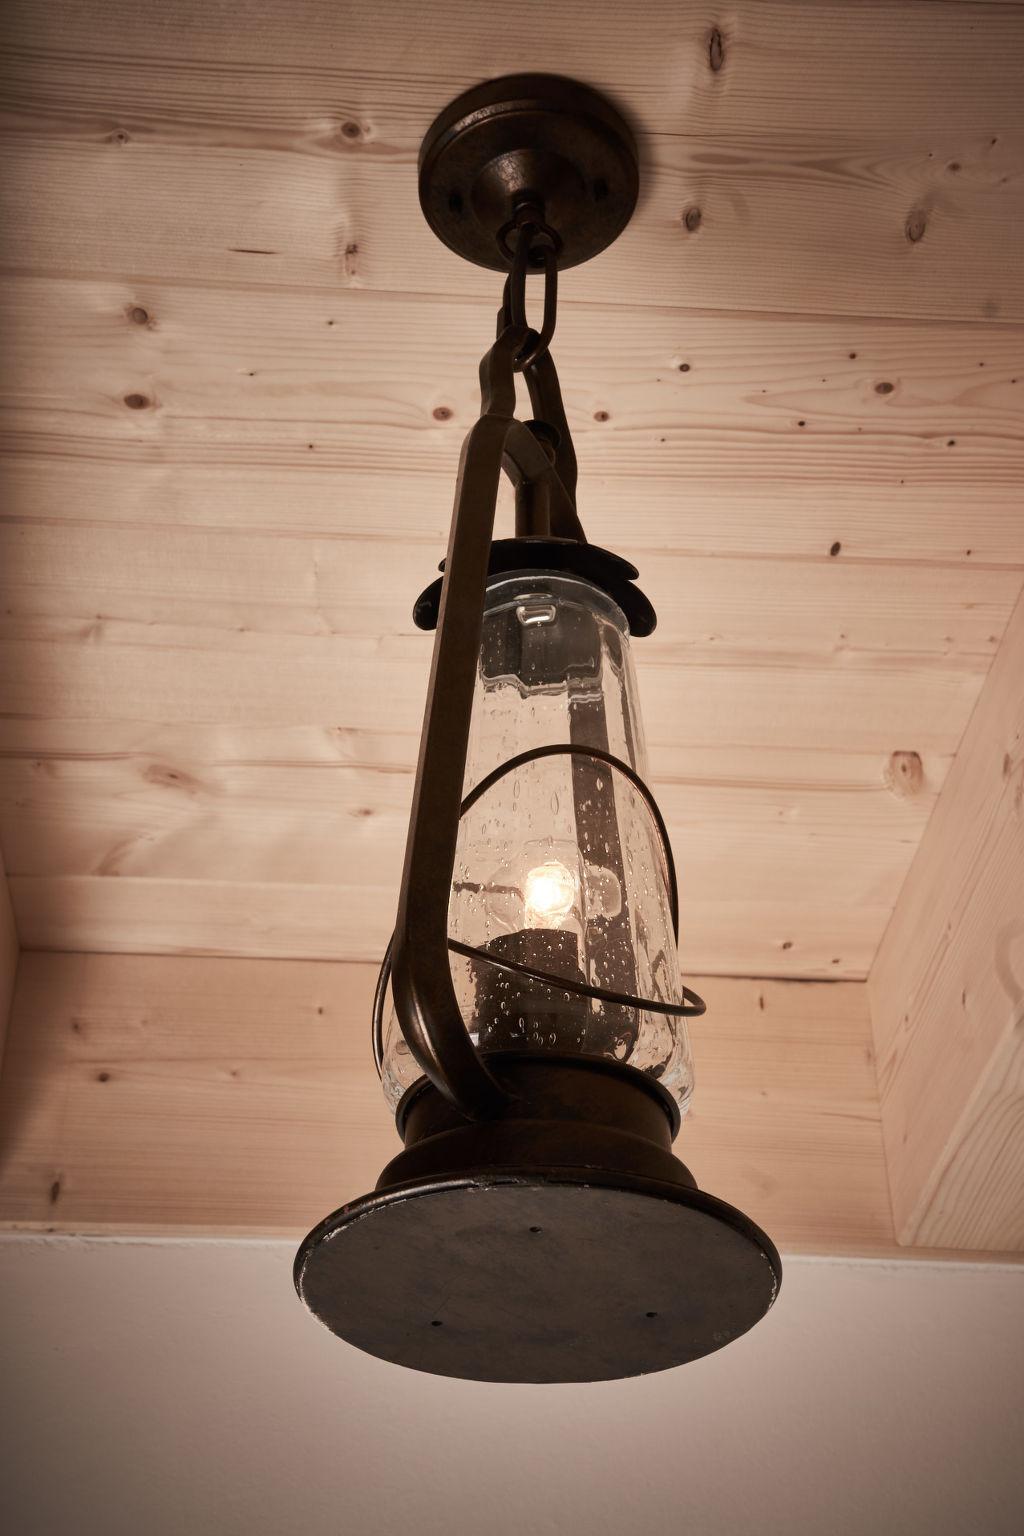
point(367, 382)
point(220, 916)
point(158, 812)
point(918, 522)
point(171, 1095)
point(826, 135)
point(947, 991)
point(185, 588)
point(9, 951)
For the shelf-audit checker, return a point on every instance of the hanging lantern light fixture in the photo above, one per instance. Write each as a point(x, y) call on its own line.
point(537, 1226)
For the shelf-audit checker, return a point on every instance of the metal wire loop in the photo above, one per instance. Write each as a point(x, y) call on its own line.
point(692, 1007)
point(533, 237)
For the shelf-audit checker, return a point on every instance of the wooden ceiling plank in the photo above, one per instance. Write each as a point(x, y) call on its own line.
point(182, 587)
point(9, 954)
point(947, 991)
point(294, 150)
point(744, 935)
point(911, 522)
point(357, 383)
point(172, 1095)
point(785, 65)
point(262, 681)
point(779, 238)
point(137, 816)
point(129, 801)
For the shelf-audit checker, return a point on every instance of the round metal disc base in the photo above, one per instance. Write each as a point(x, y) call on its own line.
point(528, 138)
point(538, 1277)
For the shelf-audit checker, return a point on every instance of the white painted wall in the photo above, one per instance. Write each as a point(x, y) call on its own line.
point(165, 1388)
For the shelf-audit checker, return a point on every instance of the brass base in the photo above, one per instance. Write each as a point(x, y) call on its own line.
point(537, 139)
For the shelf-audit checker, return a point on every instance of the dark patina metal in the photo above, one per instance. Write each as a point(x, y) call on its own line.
point(562, 1241)
point(540, 140)
point(537, 1226)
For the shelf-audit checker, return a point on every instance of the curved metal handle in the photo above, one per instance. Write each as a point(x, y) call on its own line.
point(425, 1002)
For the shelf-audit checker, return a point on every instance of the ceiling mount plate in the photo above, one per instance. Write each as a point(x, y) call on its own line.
point(537, 1275)
point(535, 139)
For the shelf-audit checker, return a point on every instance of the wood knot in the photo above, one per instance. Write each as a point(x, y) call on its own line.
point(166, 777)
point(443, 413)
point(904, 774)
point(601, 416)
point(136, 402)
point(692, 219)
point(351, 131)
point(716, 50)
point(884, 388)
point(836, 547)
point(915, 226)
point(137, 315)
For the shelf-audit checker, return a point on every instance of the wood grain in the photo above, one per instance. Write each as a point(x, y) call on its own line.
point(917, 522)
point(9, 949)
point(112, 631)
point(114, 825)
point(746, 934)
point(239, 1096)
point(843, 158)
point(364, 382)
point(947, 991)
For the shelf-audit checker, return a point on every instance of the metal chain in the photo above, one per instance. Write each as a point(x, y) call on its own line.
point(534, 239)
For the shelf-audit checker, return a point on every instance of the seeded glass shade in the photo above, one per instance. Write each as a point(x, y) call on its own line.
point(559, 865)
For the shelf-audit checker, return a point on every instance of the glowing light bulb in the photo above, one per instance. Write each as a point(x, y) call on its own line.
point(549, 892)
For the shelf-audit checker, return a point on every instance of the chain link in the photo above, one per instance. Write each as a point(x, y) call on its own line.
point(534, 239)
